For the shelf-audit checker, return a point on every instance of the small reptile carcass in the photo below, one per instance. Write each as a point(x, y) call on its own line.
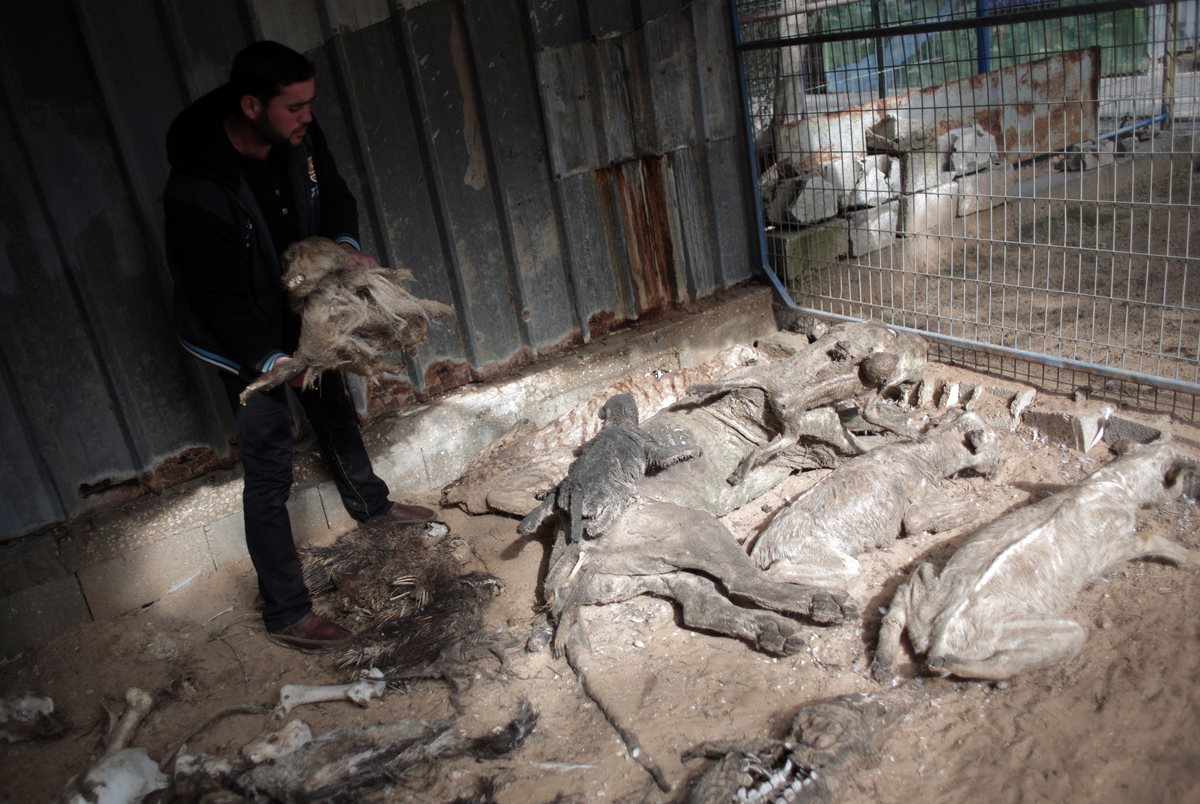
point(602, 481)
point(996, 609)
point(854, 362)
point(867, 501)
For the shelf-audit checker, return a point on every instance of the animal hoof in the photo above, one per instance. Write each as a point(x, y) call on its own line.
point(882, 673)
point(539, 639)
point(828, 609)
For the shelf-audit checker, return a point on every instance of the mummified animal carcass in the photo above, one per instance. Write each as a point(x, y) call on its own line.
point(825, 738)
point(997, 606)
point(415, 612)
point(687, 556)
point(868, 500)
point(849, 363)
point(351, 317)
point(603, 480)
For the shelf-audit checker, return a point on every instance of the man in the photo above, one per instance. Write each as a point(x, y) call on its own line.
point(250, 175)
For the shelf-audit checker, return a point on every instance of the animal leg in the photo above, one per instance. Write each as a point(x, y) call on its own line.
point(908, 596)
point(1021, 645)
point(823, 424)
point(535, 518)
point(660, 456)
point(758, 456)
point(1156, 546)
point(744, 580)
point(819, 565)
point(928, 514)
point(702, 392)
point(703, 606)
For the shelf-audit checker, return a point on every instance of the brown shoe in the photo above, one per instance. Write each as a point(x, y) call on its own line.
point(402, 512)
point(312, 633)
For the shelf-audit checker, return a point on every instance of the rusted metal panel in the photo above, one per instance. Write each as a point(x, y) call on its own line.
point(556, 23)
point(666, 86)
point(1031, 109)
point(691, 216)
point(590, 229)
point(487, 302)
point(638, 193)
point(734, 234)
point(609, 18)
point(719, 98)
point(524, 185)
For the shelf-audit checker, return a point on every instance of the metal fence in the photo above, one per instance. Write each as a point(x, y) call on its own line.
point(1015, 180)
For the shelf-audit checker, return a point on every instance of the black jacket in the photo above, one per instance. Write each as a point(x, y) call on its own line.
point(230, 307)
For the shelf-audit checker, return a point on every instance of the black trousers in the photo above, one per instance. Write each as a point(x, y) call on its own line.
point(264, 429)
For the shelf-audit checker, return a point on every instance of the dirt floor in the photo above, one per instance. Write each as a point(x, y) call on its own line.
point(1120, 723)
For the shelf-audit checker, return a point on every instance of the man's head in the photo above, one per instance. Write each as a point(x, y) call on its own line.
point(274, 88)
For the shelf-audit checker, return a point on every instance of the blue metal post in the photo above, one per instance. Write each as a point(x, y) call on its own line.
point(983, 36)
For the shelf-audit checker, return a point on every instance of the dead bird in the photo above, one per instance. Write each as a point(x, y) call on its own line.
point(602, 482)
point(402, 589)
point(350, 316)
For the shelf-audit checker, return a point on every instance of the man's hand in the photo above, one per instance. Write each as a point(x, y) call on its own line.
point(358, 258)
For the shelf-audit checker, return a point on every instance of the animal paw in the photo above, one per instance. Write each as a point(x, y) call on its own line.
point(778, 638)
point(882, 672)
point(828, 607)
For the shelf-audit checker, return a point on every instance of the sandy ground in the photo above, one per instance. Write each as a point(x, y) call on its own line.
point(1117, 724)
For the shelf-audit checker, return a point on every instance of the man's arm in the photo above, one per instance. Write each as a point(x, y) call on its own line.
point(207, 258)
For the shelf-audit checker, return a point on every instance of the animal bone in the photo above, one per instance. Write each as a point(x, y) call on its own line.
point(867, 501)
point(279, 743)
point(139, 703)
point(369, 687)
point(849, 362)
point(996, 608)
point(602, 481)
point(28, 716)
point(350, 316)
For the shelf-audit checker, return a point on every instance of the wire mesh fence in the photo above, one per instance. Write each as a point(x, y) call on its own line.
point(1017, 180)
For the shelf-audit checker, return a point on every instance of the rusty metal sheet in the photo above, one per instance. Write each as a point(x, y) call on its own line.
point(1032, 109)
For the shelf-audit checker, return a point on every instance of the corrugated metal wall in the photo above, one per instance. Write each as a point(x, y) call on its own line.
point(553, 168)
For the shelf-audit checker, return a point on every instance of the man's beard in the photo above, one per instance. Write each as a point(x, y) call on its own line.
point(263, 128)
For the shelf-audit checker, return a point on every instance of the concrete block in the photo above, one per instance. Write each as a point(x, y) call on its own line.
point(968, 149)
point(872, 229)
point(31, 616)
point(797, 252)
point(928, 209)
point(146, 575)
point(29, 561)
point(923, 168)
point(816, 201)
point(227, 539)
point(1080, 428)
point(1119, 427)
point(984, 190)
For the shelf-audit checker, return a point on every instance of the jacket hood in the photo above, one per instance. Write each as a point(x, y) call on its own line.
point(196, 140)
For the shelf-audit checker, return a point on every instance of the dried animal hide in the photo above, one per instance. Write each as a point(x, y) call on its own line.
point(602, 482)
point(29, 717)
point(867, 501)
point(996, 609)
point(825, 739)
point(517, 471)
point(415, 613)
point(849, 363)
point(351, 316)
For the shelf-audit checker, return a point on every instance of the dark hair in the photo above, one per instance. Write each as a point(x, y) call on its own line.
point(262, 69)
